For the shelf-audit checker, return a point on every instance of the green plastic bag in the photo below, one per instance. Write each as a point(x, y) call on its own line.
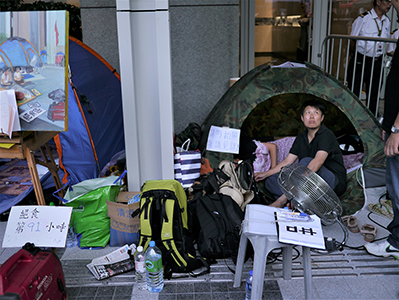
point(89, 216)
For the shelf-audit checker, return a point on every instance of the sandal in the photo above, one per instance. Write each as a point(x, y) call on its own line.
point(369, 231)
point(351, 223)
point(384, 208)
point(388, 203)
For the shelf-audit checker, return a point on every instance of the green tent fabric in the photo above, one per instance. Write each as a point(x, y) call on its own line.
point(266, 102)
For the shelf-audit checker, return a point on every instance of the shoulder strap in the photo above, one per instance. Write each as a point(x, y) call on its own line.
point(245, 171)
point(236, 215)
point(170, 203)
point(216, 178)
point(145, 224)
point(364, 14)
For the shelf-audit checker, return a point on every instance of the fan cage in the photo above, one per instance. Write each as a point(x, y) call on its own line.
point(309, 193)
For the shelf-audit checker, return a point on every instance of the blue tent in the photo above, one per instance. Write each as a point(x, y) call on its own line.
point(98, 87)
point(20, 52)
point(94, 102)
point(43, 56)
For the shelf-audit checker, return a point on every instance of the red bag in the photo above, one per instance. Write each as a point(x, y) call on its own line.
point(31, 272)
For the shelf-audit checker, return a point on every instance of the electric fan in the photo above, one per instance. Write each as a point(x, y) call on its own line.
point(309, 193)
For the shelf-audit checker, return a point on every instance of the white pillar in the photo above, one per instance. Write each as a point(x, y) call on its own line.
point(320, 25)
point(145, 64)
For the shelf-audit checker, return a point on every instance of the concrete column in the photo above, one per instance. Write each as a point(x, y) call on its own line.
point(99, 29)
point(144, 49)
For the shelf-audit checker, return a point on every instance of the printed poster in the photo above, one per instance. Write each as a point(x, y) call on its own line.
point(34, 61)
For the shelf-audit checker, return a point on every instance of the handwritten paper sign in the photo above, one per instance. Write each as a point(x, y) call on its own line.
point(304, 233)
point(223, 139)
point(9, 120)
point(45, 226)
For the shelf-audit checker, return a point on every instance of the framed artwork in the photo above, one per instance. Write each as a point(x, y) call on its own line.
point(34, 61)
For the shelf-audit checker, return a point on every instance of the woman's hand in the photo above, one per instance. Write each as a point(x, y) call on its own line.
point(260, 176)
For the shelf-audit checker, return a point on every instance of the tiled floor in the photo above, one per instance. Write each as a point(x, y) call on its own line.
point(214, 291)
point(100, 293)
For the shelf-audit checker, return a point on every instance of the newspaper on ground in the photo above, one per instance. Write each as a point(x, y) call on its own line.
point(116, 262)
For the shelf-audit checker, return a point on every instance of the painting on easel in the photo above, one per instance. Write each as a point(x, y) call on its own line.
point(34, 61)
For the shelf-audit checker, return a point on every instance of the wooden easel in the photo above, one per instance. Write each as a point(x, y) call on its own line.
point(25, 145)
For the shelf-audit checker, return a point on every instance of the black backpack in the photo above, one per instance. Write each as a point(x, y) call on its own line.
point(219, 220)
point(163, 219)
point(193, 132)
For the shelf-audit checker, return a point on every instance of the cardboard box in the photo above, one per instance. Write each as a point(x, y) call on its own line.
point(124, 228)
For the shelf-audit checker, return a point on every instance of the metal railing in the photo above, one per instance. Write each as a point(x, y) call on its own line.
point(335, 57)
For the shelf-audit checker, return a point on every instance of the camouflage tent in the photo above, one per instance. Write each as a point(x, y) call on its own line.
point(266, 103)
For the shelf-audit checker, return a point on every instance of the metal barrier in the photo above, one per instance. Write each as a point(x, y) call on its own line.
point(336, 53)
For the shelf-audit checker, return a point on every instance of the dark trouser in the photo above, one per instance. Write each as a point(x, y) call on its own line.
point(392, 179)
point(375, 78)
point(273, 187)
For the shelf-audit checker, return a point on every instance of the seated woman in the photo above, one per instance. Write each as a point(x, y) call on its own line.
point(5, 78)
point(18, 76)
point(316, 148)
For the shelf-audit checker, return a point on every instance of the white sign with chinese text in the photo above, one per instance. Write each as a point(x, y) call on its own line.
point(44, 226)
point(223, 139)
point(305, 233)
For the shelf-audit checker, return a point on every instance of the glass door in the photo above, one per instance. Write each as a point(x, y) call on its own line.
point(294, 29)
point(281, 30)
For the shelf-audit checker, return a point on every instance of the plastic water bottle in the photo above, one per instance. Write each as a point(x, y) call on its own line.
point(154, 270)
point(248, 286)
point(72, 239)
point(139, 265)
